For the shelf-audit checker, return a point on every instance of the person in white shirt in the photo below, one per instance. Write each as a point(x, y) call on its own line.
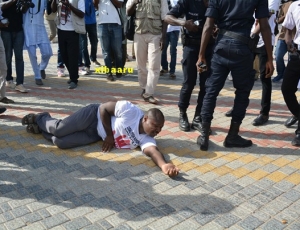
point(119, 124)
point(291, 75)
point(70, 22)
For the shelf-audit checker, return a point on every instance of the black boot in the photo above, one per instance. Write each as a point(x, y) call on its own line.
point(196, 123)
point(296, 141)
point(233, 139)
point(203, 139)
point(229, 113)
point(184, 124)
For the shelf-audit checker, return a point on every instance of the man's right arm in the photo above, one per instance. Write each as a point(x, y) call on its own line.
point(107, 110)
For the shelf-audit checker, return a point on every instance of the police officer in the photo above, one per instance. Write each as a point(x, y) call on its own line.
point(291, 75)
point(232, 53)
point(194, 11)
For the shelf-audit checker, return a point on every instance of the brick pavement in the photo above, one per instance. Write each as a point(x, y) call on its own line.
point(43, 187)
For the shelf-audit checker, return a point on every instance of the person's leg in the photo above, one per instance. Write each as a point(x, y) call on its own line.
point(164, 59)
point(84, 48)
point(116, 44)
point(78, 121)
point(71, 55)
point(105, 40)
point(266, 89)
point(281, 49)
point(154, 59)
point(92, 33)
point(33, 60)
point(3, 70)
point(141, 52)
point(7, 38)
point(173, 50)
point(18, 51)
point(46, 52)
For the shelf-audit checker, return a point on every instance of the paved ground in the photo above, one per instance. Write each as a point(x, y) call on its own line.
point(43, 187)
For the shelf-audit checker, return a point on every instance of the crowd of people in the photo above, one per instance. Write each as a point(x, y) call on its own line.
point(218, 38)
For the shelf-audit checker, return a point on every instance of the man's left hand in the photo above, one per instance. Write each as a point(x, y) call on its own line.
point(170, 169)
point(108, 144)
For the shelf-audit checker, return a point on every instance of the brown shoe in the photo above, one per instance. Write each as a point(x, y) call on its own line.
point(149, 99)
point(5, 100)
point(172, 76)
point(110, 77)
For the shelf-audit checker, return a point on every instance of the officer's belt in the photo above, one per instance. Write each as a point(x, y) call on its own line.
point(234, 35)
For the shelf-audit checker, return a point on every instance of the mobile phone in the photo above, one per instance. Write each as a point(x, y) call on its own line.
point(202, 66)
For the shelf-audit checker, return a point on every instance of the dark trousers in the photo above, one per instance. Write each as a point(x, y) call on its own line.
point(91, 32)
point(289, 88)
point(68, 42)
point(190, 75)
point(229, 55)
point(80, 128)
point(266, 82)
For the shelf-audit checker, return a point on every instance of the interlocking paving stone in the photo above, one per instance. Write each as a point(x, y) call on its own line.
point(250, 223)
point(273, 224)
point(227, 220)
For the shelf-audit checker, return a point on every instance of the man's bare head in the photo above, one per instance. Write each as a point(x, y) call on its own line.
point(153, 122)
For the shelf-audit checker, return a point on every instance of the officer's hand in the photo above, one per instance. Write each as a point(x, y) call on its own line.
point(108, 143)
point(190, 26)
point(269, 69)
point(201, 65)
point(291, 47)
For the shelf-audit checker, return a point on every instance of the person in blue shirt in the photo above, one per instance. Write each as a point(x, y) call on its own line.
point(232, 53)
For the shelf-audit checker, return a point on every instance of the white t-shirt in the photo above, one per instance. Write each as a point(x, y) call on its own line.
point(125, 127)
point(108, 12)
point(65, 17)
point(292, 19)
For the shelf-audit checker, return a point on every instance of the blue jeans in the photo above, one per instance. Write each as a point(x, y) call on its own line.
point(13, 42)
point(91, 31)
point(280, 51)
point(111, 39)
point(229, 55)
point(172, 39)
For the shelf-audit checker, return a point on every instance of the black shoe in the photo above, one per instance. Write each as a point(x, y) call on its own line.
point(72, 85)
point(144, 91)
point(69, 81)
point(39, 82)
point(292, 120)
point(260, 120)
point(119, 75)
point(2, 110)
point(229, 113)
point(236, 141)
point(43, 74)
point(184, 124)
point(296, 141)
point(203, 139)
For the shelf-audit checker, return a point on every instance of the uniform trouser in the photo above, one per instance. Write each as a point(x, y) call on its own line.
point(229, 55)
point(78, 129)
point(289, 88)
point(68, 42)
point(147, 47)
point(3, 70)
point(13, 43)
point(46, 52)
point(266, 82)
point(190, 75)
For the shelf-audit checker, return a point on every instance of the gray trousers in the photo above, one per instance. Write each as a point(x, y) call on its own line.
point(78, 129)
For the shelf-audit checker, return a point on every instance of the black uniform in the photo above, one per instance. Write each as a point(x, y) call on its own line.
point(195, 10)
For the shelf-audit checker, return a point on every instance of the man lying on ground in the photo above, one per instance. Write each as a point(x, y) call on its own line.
point(119, 124)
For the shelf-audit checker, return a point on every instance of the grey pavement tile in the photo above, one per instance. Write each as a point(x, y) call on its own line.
point(8, 216)
point(245, 181)
point(44, 213)
point(55, 220)
point(77, 223)
point(235, 200)
point(105, 224)
point(294, 226)
point(292, 195)
point(183, 225)
point(227, 220)
point(186, 212)
point(20, 211)
point(264, 183)
point(212, 226)
point(252, 166)
point(235, 164)
point(273, 224)
point(284, 185)
point(31, 218)
point(144, 206)
point(226, 179)
point(126, 227)
point(287, 170)
point(5, 207)
point(34, 226)
point(218, 162)
point(92, 227)
point(205, 217)
point(14, 224)
point(163, 223)
point(250, 223)
point(215, 184)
